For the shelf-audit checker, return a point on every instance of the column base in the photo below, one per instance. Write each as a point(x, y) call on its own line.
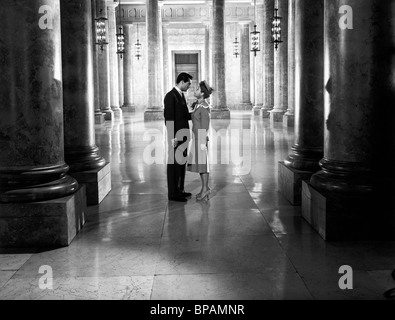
point(276, 116)
point(52, 223)
point(244, 106)
point(223, 113)
point(290, 183)
point(341, 217)
point(108, 115)
point(288, 120)
point(265, 112)
point(256, 110)
point(97, 182)
point(129, 108)
point(154, 114)
point(117, 112)
point(99, 118)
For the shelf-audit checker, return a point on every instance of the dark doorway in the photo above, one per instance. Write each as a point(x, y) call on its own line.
point(188, 62)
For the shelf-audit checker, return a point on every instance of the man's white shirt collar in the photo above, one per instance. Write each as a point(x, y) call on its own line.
point(179, 91)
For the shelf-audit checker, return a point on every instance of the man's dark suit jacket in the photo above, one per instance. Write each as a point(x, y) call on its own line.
point(176, 110)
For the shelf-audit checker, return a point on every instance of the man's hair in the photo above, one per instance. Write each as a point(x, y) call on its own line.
point(183, 76)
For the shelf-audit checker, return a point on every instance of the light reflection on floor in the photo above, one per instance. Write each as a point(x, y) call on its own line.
point(247, 242)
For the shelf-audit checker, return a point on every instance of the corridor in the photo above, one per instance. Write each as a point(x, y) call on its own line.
point(246, 242)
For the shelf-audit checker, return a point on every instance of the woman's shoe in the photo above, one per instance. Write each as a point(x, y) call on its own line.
point(205, 196)
point(200, 193)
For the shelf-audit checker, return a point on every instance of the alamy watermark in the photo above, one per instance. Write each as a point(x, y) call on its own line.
point(346, 280)
point(225, 147)
point(46, 280)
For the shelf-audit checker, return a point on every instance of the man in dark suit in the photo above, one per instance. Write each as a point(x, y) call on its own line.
point(176, 118)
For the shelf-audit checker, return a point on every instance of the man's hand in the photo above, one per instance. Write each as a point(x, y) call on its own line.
point(203, 147)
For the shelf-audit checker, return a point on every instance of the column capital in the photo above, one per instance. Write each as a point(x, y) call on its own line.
point(111, 5)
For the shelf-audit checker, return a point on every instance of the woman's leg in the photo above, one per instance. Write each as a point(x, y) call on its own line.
point(205, 177)
point(206, 190)
point(201, 190)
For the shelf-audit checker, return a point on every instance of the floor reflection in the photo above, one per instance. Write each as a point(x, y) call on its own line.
point(246, 242)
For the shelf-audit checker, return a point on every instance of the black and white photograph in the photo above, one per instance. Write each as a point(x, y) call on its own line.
point(195, 156)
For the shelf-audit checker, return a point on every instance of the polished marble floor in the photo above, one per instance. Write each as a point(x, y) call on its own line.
point(246, 242)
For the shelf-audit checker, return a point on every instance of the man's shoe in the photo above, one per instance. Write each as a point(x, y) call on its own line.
point(178, 199)
point(186, 194)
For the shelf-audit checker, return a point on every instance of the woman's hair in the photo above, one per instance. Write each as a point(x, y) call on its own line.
point(206, 89)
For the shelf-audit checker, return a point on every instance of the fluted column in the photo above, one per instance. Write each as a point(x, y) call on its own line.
point(268, 58)
point(103, 58)
point(309, 111)
point(289, 116)
point(32, 166)
point(81, 152)
point(245, 68)
point(128, 70)
point(155, 81)
point(220, 109)
point(113, 58)
point(281, 67)
point(360, 95)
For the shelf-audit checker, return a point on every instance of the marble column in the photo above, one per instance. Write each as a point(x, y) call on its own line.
point(81, 152)
point(268, 58)
point(351, 78)
point(289, 116)
point(128, 70)
point(220, 109)
point(113, 59)
point(259, 64)
point(342, 200)
point(281, 68)
point(161, 58)
point(155, 77)
point(245, 75)
point(211, 42)
point(103, 58)
point(166, 85)
point(121, 92)
point(99, 115)
point(39, 204)
point(207, 53)
point(309, 104)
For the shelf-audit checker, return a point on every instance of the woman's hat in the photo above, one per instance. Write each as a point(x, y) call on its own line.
point(205, 87)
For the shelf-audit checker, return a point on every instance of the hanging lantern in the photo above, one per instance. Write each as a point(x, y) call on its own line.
point(101, 37)
point(138, 45)
point(276, 29)
point(236, 48)
point(255, 41)
point(120, 42)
